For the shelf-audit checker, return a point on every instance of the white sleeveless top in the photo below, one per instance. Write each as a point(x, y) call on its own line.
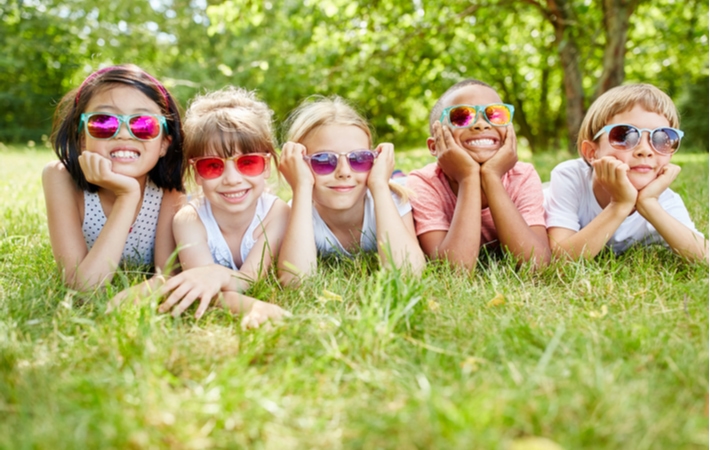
point(215, 240)
point(327, 242)
point(140, 244)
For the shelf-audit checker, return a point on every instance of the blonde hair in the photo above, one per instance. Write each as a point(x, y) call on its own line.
point(319, 111)
point(621, 99)
point(227, 121)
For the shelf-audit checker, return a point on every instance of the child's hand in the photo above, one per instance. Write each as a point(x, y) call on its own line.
point(505, 158)
point(137, 292)
point(260, 312)
point(612, 175)
point(382, 169)
point(655, 188)
point(203, 282)
point(98, 170)
point(294, 168)
point(453, 160)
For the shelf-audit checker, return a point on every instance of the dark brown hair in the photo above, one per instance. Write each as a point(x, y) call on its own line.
point(66, 135)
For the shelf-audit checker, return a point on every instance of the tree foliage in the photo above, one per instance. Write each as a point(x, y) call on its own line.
point(392, 59)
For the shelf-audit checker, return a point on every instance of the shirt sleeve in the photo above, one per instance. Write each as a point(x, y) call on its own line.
point(673, 204)
point(427, 209)
point(562, 200)
point(529, 198)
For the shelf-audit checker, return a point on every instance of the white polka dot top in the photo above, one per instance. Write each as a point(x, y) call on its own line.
point(141, 239)
point(221, 254)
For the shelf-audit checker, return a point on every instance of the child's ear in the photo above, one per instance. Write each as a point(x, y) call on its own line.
point(431, 144)
point(588, 151)
point(164, 145)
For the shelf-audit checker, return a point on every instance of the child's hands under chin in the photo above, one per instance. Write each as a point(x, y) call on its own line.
point(505, 158)
point(293, 167)
point(612, 175)
point(456, 163)
point(99, 171)
point(655, 188)
point(382, 168)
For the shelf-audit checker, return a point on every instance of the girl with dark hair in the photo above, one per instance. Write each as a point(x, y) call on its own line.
point(113, 193)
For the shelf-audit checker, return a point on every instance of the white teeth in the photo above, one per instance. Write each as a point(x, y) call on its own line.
point(234, 194)
point(124, 154)
point(481, 142)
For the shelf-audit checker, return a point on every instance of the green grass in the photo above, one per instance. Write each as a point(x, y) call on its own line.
point(611, 353)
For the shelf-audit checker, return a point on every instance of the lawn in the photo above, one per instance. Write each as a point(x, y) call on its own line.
point(611, 353)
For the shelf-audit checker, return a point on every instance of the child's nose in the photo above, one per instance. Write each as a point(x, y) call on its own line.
point(643, 148)
point(123, 131)
point(342, 170)
point(231, 174)
point(480, 123)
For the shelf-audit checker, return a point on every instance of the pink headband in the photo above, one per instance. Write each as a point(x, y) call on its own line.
point(110, 68)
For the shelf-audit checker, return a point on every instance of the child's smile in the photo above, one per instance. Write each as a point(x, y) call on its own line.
point(481, 140)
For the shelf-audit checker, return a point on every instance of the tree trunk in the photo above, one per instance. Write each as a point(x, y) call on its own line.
point(616, 26)
point(562, 20)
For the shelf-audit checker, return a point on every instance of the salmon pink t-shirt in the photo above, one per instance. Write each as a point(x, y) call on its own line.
point(433, 201)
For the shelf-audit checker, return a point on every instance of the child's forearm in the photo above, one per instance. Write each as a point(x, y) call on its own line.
point(393, 235)
point(101, 261)
point(298, 257)
point(590, 240)
point(681, 239)
point(462, 242)
point(514, 233)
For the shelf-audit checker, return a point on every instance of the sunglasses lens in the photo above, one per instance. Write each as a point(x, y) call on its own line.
point(361, 160)
point(498, 115)
point(102, 126)
point(324, 163)
point(462, 116)
point(209, 168)
point(145, 128)
point(250, 165)
point(665, 140)
point(624, 137)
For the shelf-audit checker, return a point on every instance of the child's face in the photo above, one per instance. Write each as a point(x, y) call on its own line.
point(644, 162)
point(128, 155)
point(232, 191)
point(481, 140)
point(343, 188)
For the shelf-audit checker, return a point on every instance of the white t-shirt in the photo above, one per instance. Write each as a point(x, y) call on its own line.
point(570, 203)
point(221, 254)
point(327, 243)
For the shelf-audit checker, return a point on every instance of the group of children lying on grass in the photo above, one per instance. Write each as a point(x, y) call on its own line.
point(116, 195)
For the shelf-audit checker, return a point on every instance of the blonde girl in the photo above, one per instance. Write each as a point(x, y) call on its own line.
point(342, 199)
point(228, 234)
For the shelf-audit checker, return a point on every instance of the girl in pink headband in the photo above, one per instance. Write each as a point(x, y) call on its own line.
point(112, 195)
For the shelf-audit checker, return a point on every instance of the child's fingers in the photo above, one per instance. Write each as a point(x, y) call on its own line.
point(180, 292)
point(188, 300)
point(204, 304)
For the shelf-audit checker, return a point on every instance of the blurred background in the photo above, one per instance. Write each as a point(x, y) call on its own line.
point(392, 59)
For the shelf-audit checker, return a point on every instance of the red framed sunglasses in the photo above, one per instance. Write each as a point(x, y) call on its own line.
point(249, 165)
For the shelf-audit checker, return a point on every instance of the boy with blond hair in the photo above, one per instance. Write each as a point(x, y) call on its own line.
point(477, 192)
point(617, 194)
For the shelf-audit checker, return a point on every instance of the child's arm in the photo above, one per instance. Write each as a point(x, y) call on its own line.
point(200, 278)
point(84, 269)
point(526, 243)
point(610, 174)
point(255, 311)
point(394, 232)
point(460, 243)
point(172, 202)
point(267, 246)
point(681, 239)
point(298, 257)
